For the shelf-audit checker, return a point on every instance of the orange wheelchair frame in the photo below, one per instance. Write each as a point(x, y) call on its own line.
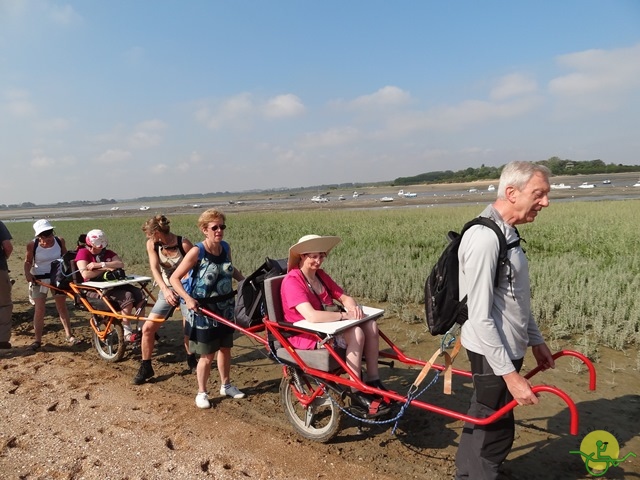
point(106, 320)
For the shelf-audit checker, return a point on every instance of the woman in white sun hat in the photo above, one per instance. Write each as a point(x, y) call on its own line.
point(93, 261)
point(41, 252)
point(308, 292)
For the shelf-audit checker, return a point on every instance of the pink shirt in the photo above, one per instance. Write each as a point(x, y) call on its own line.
point(295, 291)
point(86, 255)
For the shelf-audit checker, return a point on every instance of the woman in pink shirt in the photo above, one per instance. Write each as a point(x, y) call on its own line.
point(308, 293)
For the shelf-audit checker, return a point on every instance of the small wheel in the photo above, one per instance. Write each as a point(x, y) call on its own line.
point(321, 419)
point(112, 347)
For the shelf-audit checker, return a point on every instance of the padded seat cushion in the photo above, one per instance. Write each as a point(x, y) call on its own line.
point(319, 359)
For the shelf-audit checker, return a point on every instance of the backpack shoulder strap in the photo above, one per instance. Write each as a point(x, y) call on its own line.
point(502, 254)
point(63, 250)
point(516, 243)
point(201, 250)
point(193, 274)
point(180, 246)
point(226, 248)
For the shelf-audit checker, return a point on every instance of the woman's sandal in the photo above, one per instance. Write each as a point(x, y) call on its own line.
point(71, 340)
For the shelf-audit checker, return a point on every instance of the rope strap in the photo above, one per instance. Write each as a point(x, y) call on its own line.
point(448, 361)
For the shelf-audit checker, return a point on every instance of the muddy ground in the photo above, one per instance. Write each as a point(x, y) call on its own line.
point(68, 414)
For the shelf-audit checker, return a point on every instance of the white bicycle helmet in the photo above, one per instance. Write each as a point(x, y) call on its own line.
point(97, 238)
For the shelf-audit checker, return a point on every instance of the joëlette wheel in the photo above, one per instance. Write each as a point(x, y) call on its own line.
point(111, 348)
point(321, 419)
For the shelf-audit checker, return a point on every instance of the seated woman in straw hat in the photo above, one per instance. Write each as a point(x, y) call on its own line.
point(308, 293)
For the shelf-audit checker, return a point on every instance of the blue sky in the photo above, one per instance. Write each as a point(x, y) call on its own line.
point(121, 99)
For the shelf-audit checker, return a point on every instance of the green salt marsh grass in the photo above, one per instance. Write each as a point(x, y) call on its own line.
point(583, 257)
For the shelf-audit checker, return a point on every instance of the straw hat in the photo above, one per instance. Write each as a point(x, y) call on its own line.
point(42, 226)
point(96, 238)
point(310, 244)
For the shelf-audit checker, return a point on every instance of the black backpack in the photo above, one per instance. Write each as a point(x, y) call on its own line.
point(250, 304)
point(441, 290)
point(62, 271)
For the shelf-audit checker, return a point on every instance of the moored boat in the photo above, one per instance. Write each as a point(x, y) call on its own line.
point(559, 186)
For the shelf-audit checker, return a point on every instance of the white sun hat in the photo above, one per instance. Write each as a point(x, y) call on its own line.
point(42, 226)
point(310, 244)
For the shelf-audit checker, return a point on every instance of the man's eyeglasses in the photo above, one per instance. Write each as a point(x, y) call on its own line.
point(317, 256)
point(46, 234)
point(214, 228)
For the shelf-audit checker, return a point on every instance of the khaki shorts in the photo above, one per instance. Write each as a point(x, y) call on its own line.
point(41, 291)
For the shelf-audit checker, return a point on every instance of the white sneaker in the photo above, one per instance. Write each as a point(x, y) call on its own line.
point(232, 391)
point(202, 400)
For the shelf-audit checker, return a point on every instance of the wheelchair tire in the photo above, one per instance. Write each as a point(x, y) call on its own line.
point(322, 419)
point(112, 347)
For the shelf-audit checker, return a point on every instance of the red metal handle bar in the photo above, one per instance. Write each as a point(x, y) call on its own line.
point(573, 428)
point(400, 356)
point(250, 332)
point(580, 356)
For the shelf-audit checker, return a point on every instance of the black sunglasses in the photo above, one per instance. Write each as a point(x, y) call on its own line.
point(214, 228)
point(46, 233)
point(169, 247)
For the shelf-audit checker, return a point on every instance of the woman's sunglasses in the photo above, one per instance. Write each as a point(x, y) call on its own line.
point(169, 248)
point(214, 228)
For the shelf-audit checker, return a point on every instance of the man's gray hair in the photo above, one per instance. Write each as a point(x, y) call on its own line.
point(517, 174)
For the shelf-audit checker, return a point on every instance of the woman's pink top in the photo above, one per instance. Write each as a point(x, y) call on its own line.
point(295, 291)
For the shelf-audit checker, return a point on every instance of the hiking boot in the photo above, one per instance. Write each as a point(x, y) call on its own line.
point(202, 400)
point(144, 373)
point(231, 391)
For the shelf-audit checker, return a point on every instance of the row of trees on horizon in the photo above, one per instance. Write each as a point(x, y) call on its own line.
point(557, 166)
